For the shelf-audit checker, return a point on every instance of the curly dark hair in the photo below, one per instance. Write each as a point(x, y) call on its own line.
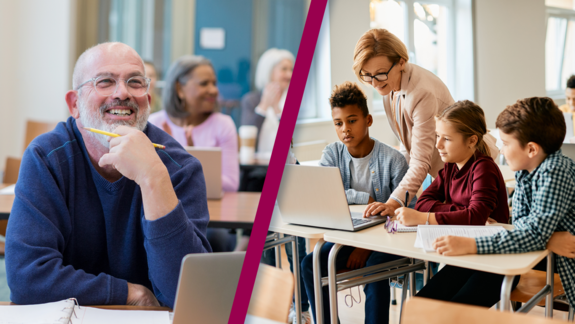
point(348, 93)
point(537, 120)
point(571, 82)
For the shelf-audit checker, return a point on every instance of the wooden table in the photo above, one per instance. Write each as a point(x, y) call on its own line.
point(422, 310)
point(6, 202)
point(234, 210)
point(118, 307)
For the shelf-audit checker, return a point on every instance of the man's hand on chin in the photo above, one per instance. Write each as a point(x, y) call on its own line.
point(135, 157)
point(139, 295)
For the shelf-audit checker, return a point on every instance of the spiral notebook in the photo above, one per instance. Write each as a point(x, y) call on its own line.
point(405, 229)
point(67, 312)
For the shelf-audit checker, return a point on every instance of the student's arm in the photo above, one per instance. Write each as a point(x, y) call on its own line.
point(228, 141)
point(550, 203)
point(433, 197)
point(39, 229)
point(482, 203)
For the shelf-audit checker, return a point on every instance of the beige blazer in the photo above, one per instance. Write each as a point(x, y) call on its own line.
point(423, 96)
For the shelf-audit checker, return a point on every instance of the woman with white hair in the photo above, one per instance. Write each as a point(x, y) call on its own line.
point(263, 108)
point(190, 97)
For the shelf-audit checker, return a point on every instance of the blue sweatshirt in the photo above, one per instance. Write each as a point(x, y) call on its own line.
point(71, 233)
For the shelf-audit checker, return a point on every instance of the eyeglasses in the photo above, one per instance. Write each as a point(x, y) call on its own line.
point(106, 86)
point(391, 225)
point(379, 77)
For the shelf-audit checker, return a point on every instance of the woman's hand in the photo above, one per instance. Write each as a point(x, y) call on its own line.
point(358, 258)
point(562, 243)
point(188, 131)
point(410, 217)
point(271, 96)
point(454, 245)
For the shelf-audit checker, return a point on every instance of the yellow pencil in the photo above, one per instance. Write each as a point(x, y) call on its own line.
point(93, 130)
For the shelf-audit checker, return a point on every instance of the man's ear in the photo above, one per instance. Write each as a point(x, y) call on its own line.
point(369, 120)
point(72, 102)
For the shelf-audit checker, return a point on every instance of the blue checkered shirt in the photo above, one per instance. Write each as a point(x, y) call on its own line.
point(543, 203)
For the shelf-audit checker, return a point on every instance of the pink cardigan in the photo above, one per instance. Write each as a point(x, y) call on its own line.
point(218, 130)
point(423, 96)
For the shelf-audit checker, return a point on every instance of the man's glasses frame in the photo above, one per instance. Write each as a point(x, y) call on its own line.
point(108, 93)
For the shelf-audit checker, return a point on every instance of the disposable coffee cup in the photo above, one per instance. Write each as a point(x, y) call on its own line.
point(248, 136)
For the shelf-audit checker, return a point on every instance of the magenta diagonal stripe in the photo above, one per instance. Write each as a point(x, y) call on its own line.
point(278, 160)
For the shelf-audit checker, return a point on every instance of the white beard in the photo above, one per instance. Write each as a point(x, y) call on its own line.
point(96, 120)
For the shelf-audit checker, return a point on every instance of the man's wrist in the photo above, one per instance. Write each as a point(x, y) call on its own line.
point(472, 246)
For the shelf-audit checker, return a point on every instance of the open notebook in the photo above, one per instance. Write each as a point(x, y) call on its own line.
point(66, 311)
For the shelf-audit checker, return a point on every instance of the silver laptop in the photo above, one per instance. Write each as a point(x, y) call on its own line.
point(314, 196)
point(211, 160)
point(207, 287)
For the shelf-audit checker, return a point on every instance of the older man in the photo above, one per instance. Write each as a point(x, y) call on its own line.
point(105, 220)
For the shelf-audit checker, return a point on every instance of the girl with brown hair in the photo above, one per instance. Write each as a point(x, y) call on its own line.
point(470, 188)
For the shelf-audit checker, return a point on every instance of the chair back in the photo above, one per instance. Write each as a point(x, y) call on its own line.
point(35, 128)
point(272, 294)
point(11, 170)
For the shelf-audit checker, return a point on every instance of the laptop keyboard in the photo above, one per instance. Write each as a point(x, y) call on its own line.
point(360, 221)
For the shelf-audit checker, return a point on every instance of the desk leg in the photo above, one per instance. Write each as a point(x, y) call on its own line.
point(506, 293)
point(317, 286)
point(412, 290)
point(332, 282)
point(296, 270)
point(550, 278)
point(403, 296)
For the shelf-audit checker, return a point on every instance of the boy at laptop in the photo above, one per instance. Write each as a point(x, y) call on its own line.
point(532, 131)
point(370, 171)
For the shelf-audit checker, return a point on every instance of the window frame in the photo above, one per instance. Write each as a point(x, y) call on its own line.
point(569, 15)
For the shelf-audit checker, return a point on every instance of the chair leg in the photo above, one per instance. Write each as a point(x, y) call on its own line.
point(571, 312)
point(393, 297)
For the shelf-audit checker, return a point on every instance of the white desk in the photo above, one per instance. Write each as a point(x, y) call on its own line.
point(378, 239)
point(278, 226)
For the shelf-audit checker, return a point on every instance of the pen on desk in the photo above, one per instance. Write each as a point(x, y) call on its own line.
point(93, 130)
point(406, 197)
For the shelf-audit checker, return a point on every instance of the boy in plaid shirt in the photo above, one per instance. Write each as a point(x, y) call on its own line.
point(532, 131)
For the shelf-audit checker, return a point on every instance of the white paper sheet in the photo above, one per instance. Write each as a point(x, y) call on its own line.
point(8, 190)
point(426, 234)
point(90, 315)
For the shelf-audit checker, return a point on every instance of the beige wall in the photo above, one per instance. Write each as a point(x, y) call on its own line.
point(509, 58)
point(509, 53)
point(34, 65)
point(348, 21)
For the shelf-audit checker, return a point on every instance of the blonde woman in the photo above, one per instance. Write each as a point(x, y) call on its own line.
point(412, 96)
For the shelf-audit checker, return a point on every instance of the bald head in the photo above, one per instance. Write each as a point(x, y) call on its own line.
point(98, 55)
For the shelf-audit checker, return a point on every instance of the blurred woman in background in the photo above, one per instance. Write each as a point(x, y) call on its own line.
point(190, 114)
point(263, 108)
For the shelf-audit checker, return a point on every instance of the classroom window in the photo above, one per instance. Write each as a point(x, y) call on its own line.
point(559, 46)
point(423, 26)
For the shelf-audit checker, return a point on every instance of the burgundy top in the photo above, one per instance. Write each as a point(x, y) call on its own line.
point(467, 196)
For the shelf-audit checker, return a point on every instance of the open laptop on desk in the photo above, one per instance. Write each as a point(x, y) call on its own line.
point(207, 287)
point(211, 160)
point(314, 196)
